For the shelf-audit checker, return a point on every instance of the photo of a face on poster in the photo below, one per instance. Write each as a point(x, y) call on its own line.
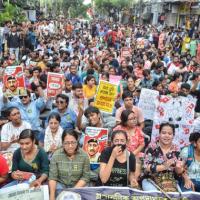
point(14, 81)
point(92, 149)
point(95, 140)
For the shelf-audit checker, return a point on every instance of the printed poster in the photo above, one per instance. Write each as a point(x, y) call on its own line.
point(14, 81)
point(54, 84)
point(95, 140)
point(105, 97)
point(125, 52)
point(178, 111)
point(21, 192)
point(147, 102)
point(115, 79)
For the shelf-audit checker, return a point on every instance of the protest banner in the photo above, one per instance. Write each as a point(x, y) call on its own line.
point(147, 102)
point(180, 112)
point(123, 193)
point(14, 81)
point(105, 97)
point(95, 140)
point(125, 52)
point(22, 191)
point(54, 84)
point(115, 79)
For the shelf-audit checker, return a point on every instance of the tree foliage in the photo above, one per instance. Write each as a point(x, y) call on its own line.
point(12, 13)
point(74, 8)
point(106, 5)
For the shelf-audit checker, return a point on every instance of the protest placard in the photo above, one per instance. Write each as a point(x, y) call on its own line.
point(95, 140)
point(105, 97)
point(22, 191)
point(54, 84)
point(14, 81)
point(178, 111)
point(147, 102)
point(125, 52)
point(115, 79)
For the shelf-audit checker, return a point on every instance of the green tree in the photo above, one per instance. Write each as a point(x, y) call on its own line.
point(12, 13)
point(74, 8)
point(104, 6)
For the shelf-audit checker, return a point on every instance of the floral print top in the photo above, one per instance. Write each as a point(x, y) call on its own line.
point(134, 140)
point(154, 155)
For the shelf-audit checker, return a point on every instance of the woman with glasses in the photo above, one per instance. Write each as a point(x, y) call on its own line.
point(30, 111)
point(69, 166)
point(117, 165)
point(162, 164)
point(10, 131)
point(68, 116)
point(130, 125)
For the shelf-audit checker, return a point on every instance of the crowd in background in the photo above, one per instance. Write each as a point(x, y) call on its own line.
point(39, 130)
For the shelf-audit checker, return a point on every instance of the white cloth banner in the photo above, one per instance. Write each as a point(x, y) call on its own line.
point(178, 111)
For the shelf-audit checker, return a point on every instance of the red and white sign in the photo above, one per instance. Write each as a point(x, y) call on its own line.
point(54, 84)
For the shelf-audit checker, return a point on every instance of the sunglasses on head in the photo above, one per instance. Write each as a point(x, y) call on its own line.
point(21, 97)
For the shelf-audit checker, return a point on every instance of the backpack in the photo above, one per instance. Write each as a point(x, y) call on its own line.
point(190, 157)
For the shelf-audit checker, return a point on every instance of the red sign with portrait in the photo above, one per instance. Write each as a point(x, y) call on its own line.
point(95, 140)
point(14, 81)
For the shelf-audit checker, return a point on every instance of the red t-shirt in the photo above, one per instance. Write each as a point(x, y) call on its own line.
point(3, 166)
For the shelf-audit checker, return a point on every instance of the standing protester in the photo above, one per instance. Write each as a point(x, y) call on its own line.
point(13, 42)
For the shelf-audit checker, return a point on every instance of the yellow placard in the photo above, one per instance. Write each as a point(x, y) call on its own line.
point(105, 98)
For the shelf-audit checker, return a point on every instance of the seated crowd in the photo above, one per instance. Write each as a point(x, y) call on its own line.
point(42, 137)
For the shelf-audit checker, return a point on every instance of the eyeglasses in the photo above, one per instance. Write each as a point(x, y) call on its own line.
point(14, 114)
point(21, 97)
point(72, 143)
point(60, 102)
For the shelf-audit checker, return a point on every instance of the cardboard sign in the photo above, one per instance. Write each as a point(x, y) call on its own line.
point(14, 81)
point(105, 98)
point(95, 140)
point(54, 84)
point(22, 191)
point(147, 102)
point(178, 111)
point(115, 79)
point(125, 52)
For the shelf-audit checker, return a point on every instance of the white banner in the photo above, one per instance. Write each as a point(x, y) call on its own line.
point(178, 111)
point(22, 192)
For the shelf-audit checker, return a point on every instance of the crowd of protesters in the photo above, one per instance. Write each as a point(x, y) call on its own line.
point(45, 134)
